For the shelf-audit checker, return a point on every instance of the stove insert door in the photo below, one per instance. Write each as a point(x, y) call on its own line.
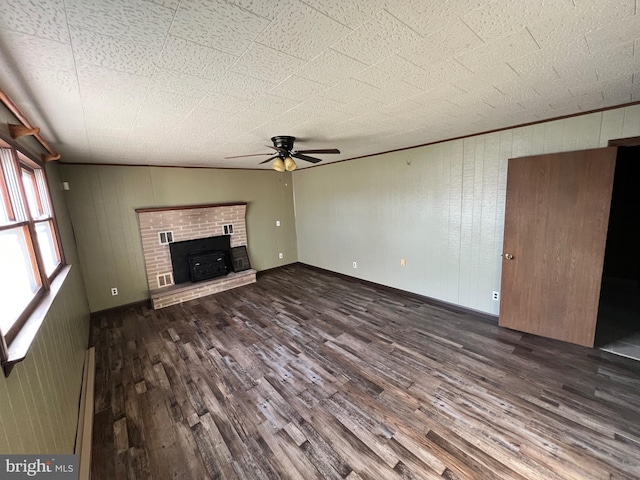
point(203, 266)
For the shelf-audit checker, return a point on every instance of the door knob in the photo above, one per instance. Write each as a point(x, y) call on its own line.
point(507, 256)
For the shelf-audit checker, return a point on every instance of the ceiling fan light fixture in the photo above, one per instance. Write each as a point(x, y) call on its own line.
point(290, 164)
point(283, 146)
point(278, 165)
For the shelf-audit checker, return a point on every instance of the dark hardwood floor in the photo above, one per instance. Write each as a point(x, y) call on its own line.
point(305, 375)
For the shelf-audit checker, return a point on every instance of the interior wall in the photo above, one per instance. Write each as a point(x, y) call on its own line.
point(441, 207)
point(39, 400)
point(102, 201)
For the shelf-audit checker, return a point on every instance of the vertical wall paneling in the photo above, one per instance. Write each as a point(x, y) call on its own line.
point(554, 132)
point(27, 388)
point(612, 126)
point(456, 159)
point(631, 122)
point(589, 132)
point(11, 440)
point(44, 384)
point(102, 203)
point(522, 142)
point(88, 232)
point(487, 260)
point(286, 214)
point(476, 239)
point(466, 220)
point(569, 135)
point(9, 419)
point(506, 152)
point(441, 207)
point(39, 400)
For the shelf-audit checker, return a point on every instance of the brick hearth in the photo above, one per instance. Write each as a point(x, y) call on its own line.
point(163, 297)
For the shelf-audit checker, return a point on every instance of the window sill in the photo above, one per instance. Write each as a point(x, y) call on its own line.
point(17, 350)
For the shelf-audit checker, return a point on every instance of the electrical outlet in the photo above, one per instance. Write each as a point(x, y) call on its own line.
point(277, 223)
point(403, 262)
point(496, 296)
point(355, 265)
point(114, 291)
point(281, 255)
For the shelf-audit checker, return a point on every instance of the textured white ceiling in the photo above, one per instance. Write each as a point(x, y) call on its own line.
point(189, 82)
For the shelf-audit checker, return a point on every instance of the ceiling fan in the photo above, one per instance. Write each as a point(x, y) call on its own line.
point(283, 145)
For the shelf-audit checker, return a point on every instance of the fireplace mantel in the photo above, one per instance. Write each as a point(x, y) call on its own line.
point(188, 207)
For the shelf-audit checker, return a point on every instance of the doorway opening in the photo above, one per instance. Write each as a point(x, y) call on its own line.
point(618, 327)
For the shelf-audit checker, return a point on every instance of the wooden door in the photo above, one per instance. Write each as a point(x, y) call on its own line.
point(556, 219)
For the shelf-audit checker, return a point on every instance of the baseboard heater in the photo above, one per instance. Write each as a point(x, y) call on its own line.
point(84, 434)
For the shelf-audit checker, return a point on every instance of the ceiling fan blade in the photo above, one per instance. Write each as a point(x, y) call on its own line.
point(269, 159)
point(305, 158)
point(250, 155)
point(322, 150)
point(277, 149)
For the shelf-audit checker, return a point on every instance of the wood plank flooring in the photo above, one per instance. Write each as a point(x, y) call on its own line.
point(304, 375)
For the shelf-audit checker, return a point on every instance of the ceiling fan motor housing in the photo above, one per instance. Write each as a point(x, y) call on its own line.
point(283, 141)
point(283, 144)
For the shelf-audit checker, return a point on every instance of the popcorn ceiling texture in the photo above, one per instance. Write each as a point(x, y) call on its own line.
point(190, 82)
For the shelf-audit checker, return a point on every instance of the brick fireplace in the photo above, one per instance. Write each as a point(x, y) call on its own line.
point(159, 227)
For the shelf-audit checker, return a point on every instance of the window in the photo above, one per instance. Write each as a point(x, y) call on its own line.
point(30, 254)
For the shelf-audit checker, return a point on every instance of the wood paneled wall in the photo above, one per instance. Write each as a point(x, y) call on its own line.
point(441, 207)
point(39, 400)
point(102, 201)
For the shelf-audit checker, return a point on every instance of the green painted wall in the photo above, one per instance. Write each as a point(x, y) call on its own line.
point(39, 400)
point(102, 202)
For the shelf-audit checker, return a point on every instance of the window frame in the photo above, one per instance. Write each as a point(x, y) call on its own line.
point(6, 200)
point(22, 164)
point(34, 184)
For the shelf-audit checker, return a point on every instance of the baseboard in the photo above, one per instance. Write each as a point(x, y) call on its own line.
point(273, 269)
point(452, 307)
point(147, 302)
point(84, 434)
point(423, 298)
point(139, 303)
